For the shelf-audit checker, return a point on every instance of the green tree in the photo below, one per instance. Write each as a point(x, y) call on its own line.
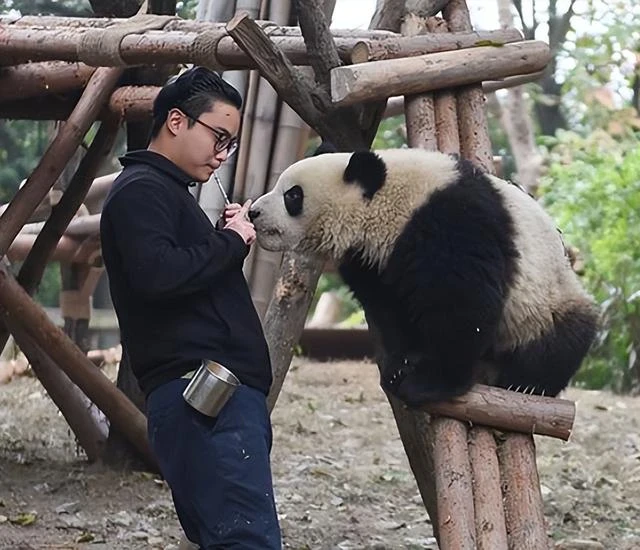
point(593, 190)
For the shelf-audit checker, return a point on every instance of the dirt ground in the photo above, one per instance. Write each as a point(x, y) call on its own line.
point(342, 479)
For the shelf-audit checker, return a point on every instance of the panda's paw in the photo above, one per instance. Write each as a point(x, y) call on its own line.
point(407, 379)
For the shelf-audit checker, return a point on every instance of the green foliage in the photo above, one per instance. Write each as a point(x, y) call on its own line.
point(22, 143)
point(592, 189)
point(391, 134)
point(332, 282)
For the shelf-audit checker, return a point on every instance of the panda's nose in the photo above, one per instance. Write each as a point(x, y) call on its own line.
point(253, 214)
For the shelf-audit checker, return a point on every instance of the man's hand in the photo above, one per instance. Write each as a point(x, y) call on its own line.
point(230, 210)
point(237, 219)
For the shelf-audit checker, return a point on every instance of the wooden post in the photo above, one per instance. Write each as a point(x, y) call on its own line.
point(57, 155)
point(491, 532)
point(454, 486)
point(89, 429)
point(521, 489)
point(120, 411)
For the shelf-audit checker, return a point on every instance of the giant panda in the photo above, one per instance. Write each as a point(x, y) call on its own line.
point(463, 274)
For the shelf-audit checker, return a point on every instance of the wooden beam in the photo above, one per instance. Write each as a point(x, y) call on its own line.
point(395, 105)
point(50, 77)
point(311, 102)
point(381, 79)
point(510, 411)
point(20, 44)
point(121, 412)
point(57, 154)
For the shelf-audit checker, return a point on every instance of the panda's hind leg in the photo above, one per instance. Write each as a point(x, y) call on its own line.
point(546, 365)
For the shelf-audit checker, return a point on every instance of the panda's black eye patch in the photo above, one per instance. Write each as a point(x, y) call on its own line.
point(293, 199)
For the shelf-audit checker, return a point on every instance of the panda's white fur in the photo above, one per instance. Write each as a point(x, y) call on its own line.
point(336, 218)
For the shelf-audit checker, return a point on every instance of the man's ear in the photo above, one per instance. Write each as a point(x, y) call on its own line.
point(175, 121)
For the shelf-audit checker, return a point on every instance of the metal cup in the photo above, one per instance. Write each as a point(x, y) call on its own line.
point(210, 388)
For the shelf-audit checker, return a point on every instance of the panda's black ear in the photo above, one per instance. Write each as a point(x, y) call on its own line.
point(368, 169)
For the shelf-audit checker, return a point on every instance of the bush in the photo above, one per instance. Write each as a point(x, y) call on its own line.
point(592, 188)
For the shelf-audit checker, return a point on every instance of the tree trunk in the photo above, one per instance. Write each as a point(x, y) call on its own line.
point(514, 115)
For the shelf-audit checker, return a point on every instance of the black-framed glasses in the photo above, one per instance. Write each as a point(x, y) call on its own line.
point(224, 141)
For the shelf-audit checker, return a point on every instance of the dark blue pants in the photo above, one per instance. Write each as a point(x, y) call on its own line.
point(218, 469)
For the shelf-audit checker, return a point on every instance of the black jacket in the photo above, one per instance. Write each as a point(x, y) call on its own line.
point(176, 281)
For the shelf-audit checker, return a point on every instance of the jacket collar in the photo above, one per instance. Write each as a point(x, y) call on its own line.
point(159, 162)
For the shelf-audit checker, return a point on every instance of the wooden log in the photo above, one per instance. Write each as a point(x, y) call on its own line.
point(81, 226)
point(445, 104)
point(510, 411)
point(50, 77)
point(311, 102)
point(120, 411)
point(291, 299)
point(380, 79)
point(411, 46)
point(454, 485)
point(419, 111)
point(491, 532)
point(215, 49)
point(182, 25)
point(65, 250)
point(475, 144)
point(417, 438)
point(57, 154)
point(88, 428)
point(135, 103)
point(521, 490)
point(395, 105)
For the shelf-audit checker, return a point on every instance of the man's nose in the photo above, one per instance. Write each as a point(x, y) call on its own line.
point(253, 214)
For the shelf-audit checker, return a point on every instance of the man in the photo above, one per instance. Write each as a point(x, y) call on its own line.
point(181, 297)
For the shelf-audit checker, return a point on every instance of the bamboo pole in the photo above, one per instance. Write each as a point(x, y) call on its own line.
point(263, 136)
point(291, 132)
point(491, 531)
point(56, 156)
point(521, 489)
point(381, 79)
point(120, 411)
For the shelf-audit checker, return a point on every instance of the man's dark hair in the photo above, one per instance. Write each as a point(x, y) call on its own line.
point(194, 92)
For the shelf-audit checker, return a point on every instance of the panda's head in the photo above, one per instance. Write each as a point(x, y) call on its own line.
point(319, 204)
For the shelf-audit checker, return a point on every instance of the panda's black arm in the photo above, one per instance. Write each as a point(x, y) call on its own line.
point(377, 301)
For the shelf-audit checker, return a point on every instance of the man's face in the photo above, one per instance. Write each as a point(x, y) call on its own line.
point(195, 146)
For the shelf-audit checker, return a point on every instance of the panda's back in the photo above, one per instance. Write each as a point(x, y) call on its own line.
point(544, 285)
